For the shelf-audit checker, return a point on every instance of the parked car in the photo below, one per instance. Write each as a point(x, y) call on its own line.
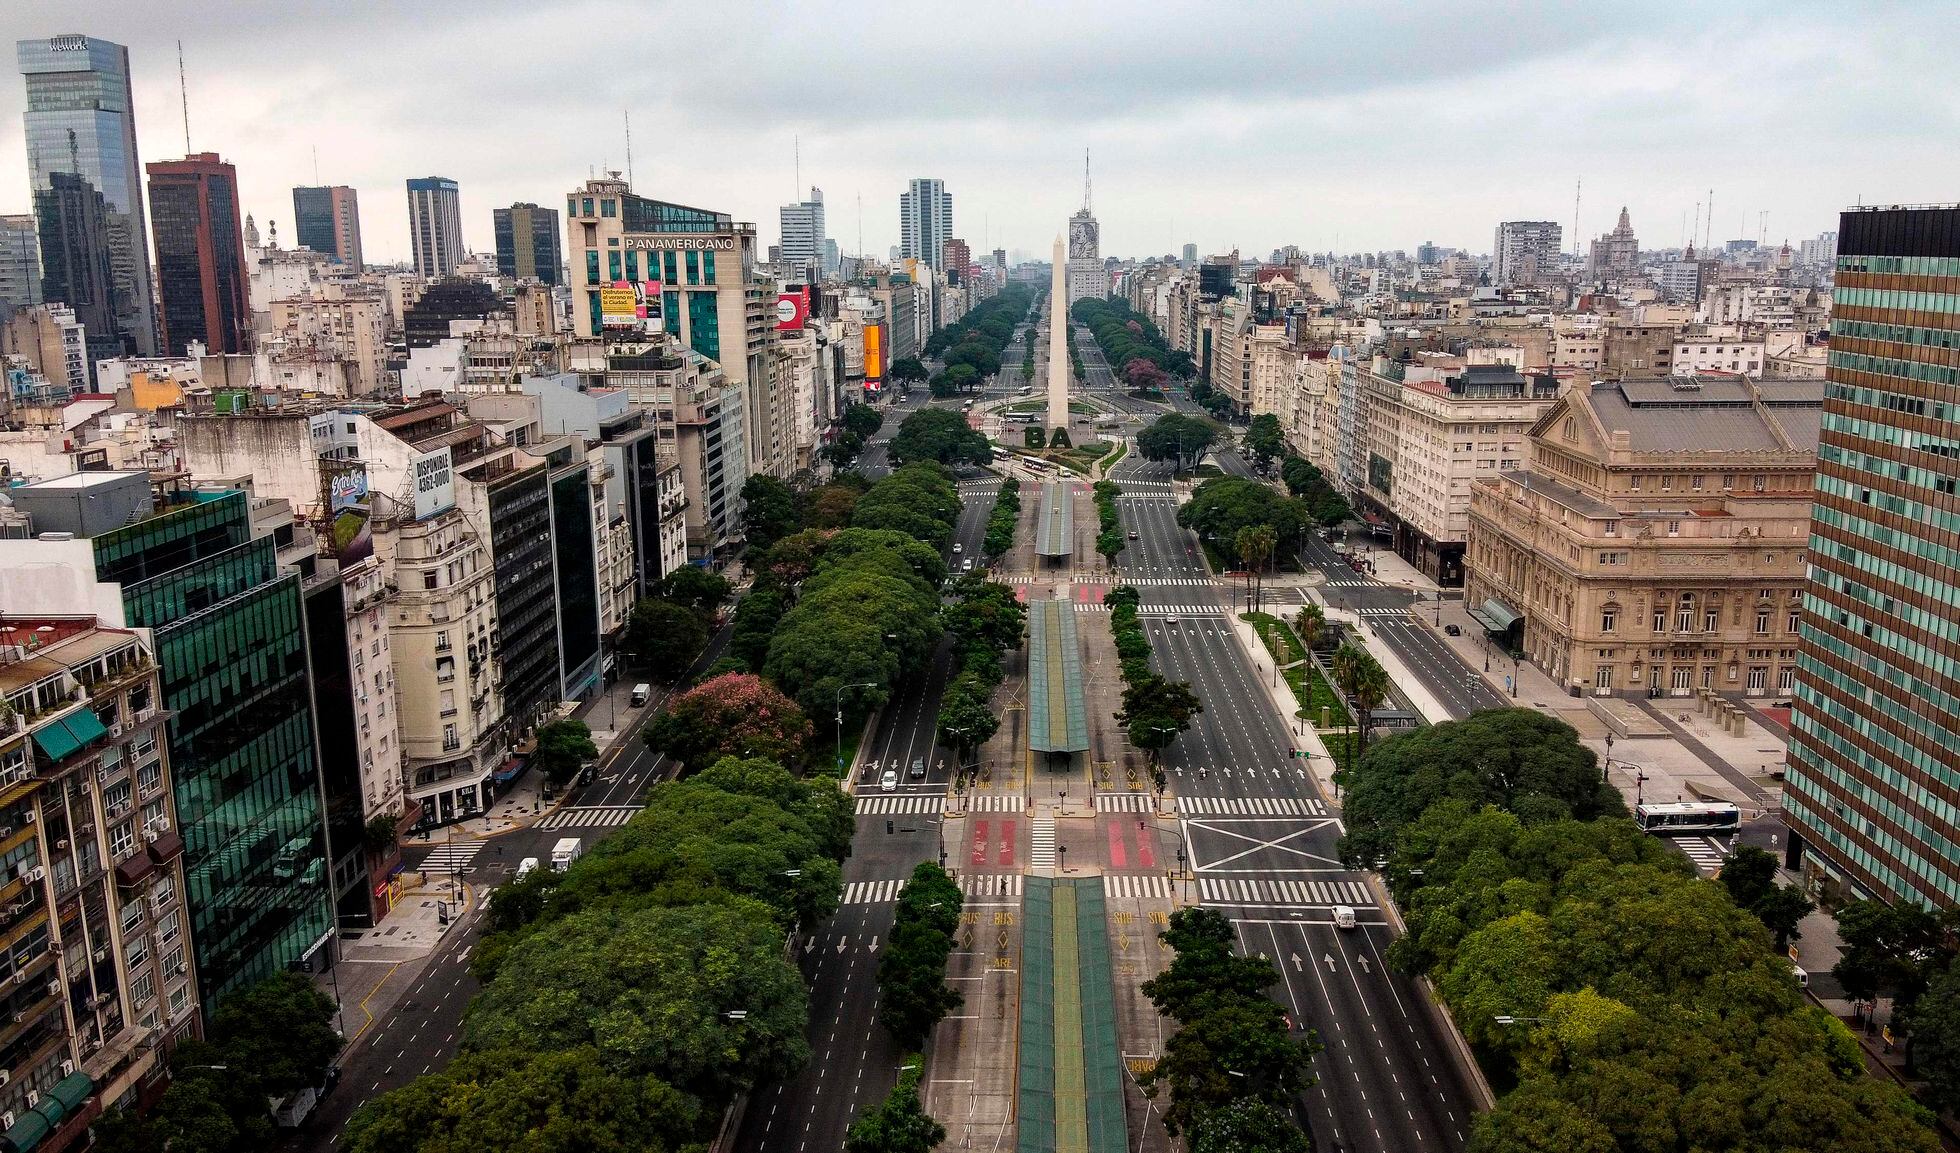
point(1453, 630)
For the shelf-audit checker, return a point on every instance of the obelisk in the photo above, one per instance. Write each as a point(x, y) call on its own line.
point(1058, 361)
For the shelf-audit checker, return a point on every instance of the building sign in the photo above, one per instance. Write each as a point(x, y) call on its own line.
point(433, 481)
point(874, 354)
point(619, 306)
point(651, 302)
point(792, 308)
point(716, 242)
point(346, 489)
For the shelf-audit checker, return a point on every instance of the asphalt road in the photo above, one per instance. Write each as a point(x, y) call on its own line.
point(1262, 842)
point(853, 1062)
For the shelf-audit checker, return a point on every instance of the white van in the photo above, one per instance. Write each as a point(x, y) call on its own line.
point(565, 852)
point(526, 867)
point(1343, 917)
point(1803, 978)
point(642, 693)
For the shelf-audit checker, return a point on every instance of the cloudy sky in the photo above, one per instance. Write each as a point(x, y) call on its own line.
point(1361, 126)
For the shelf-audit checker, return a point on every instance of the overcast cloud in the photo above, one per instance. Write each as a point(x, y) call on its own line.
point(1353, 125)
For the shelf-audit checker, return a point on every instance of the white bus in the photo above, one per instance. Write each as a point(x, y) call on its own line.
point(1689, 817)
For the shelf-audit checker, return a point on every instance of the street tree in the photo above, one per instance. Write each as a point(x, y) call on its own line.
point(862, 420)
point(829, 506)
point(1255, 544)
point(1176, 437)
point(1365, 682)
point(664, 637)
point(732, 715)
point(1247, 1126)
point(898, 1124)
point(1155, 711)
point(692, 586)
point(769, 510)
point(563, 746)
point(912, 992)
point(1308, 622)
point(1265, 440)
point(940, 435)
point(907, 370)
point(965, 721)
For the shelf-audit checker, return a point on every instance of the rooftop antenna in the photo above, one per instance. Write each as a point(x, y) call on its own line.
point(796, 150)
point(316, 165)
point(1577, 188)
point(1697, 231)
point(1708, 240)
point(628, 114)
point(860, 204)
point(184, 92)
point(1085, 180)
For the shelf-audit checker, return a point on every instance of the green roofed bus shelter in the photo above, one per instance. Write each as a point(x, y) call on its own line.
point(1495, 616)
point(1054, 534)
point(1056, 720)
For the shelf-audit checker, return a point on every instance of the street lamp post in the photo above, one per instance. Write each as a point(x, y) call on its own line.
point(1517, 663)
point(840, 715)
point(1061, 852)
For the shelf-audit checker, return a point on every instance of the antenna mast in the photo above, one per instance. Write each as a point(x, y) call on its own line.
point(796, 149)
point(1577, 188)
point(1708, 239)
point(628, 114)
point(184, 92)
point(1085, 180)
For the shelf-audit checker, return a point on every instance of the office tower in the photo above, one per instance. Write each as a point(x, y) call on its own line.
point(1086, 275)
point(328, 220)
point(527, 243)
point(925, 221)
point(1525, 251)
point(80, 119)
point(1872, 735)
point(804, 240)
point(435, 225)
point(20, 263)
point(1190, 257)
point(954, 259)
point(230, 644)
point(101, 986)
point(77, 261)
point(201, 272)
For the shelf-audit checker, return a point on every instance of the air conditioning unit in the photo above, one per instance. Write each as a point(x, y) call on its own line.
point(33, 1098)
point(54, 987)
point(61, 844)
point(28, 816)
point(161, 824)
point(7, 1119)
point(180, 968)
point(6, 831)
point(67, 1068)
point(102, 954)
point(6, 1076)
point(37, 874)
point(149, 836)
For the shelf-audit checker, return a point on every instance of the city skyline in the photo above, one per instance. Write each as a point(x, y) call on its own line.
point(1647, 114)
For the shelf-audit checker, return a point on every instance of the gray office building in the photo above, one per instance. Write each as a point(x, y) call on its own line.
point(80, 119)
point(528, 245)
point(20, 264)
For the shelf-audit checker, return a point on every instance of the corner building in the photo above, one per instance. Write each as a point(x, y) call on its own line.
point(1873, 788)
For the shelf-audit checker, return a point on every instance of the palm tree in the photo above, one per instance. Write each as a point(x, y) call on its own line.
point(1308, 622)
point(1256, 544)
point(1365, 682)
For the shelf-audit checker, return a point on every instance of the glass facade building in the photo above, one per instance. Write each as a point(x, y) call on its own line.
point(435, 225)
point(1873, 788)
point(201, 273)
point(528, 244)
point(575, 562)
point(76, 265)
point(231, 647)
point(328, 220)
point(527, 619)
point(81, 119)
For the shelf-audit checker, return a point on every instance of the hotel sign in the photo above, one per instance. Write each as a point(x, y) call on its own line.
point(681, 242)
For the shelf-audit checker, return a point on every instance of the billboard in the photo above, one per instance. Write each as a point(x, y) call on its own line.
point(792, 307)
point(347, 484)
point(619, 306)
point(874, 354)
point(433, 481)
point(649, 302)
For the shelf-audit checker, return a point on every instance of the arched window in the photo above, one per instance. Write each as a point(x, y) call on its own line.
point(1684, 613)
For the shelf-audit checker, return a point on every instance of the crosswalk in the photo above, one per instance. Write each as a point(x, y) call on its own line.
point(589, 817)
point(1707, 853)
point(1158, 610)
point(974, 886)
point(1252, 806)
point(1125, 802)
point(1147, 886)
point(1384, 614)
point(1260, 891)
point(451, 857)
point(1042, 849)
point(895, 803)
point(1344, 583)
point(993, 803)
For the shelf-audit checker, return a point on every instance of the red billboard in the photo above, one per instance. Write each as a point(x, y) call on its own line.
point(792, 307)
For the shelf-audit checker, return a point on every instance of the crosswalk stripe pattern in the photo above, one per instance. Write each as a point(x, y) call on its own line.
point(1042, 850)
point(1384, 613)
point(1158, 610)
point(1124, 803)
point(1119, 578)
point(1706, 853)
point(1149, 886)
point(993, 803)
point(1259, 891)
point(589, 817)
point(1253, 806)
point(451, 857)
point(977, 887)
point(911, 803)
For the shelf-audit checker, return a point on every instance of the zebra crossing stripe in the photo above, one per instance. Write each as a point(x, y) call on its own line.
point(589, 816)
point(1042, 847)
point(914, 803)
point(1124, 803)
point(1141, 886)
point(1283, 893)
point(450, 858)
point(1253, 806)
point(981, 886)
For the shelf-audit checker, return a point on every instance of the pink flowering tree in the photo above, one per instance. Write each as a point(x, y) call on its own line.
point(732, 715)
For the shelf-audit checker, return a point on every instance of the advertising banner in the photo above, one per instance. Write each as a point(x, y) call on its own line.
point(874, 354)
point(792, 308)
point(649, 302)
point(619, 306)
point(433, 482)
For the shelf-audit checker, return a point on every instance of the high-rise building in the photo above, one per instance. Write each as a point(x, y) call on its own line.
point(1190, 257)
point(925, 221)
point(230, 645)
point(328, 220)
point(528, 245)
point(20, 263)
point(102, 985)
point(52, 342)
point(435, 225)
point(201, 271)
point(1525, 251)
point(1872, 736)
point(954, 260)
point(1086, 274)
point(77, 268)
point(81, 119)
point(804, 239)
point(1618, 252)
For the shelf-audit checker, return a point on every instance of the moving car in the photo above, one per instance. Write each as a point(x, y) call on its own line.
point(1344, 917)
point(641, 694)
point(1133, 534)
point(918, 768)
point(888, 781)
point(958, 547)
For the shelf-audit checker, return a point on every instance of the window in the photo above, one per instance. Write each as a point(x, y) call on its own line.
point(1674, 528)
point(1608, 621)
point(585, 207)
point(1636, 482)
point(143, 989)
point(1708, 676)
point(1684, 616)
point(1711, 620)
point(1603, 678)
point(1762, 622)
point(592, 267)
point(708, 267)
point(1758, 678)
point(431, 578)
point(1667, 482)
point(1612, 528)
point(1758, 483)
point(1684, 677)
point(1796, 618)
point(612, 265)
point(609, 207)
point(1695, 484)
point(1660, 618)
point(1786, 678)
point(167, 927)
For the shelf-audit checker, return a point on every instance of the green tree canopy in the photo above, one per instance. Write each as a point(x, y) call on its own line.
point(907, 369)
point(1177, 437)
point(862, 420)
point(562, 747)
point(664, 637)
point(1222, 506)
point(770, 510)
point(941, 435)
point(898, 1124)
point(1265, 439)
point(692, 586)
point(732, 715)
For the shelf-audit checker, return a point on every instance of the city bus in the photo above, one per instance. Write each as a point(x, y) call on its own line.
point(1689, 817)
